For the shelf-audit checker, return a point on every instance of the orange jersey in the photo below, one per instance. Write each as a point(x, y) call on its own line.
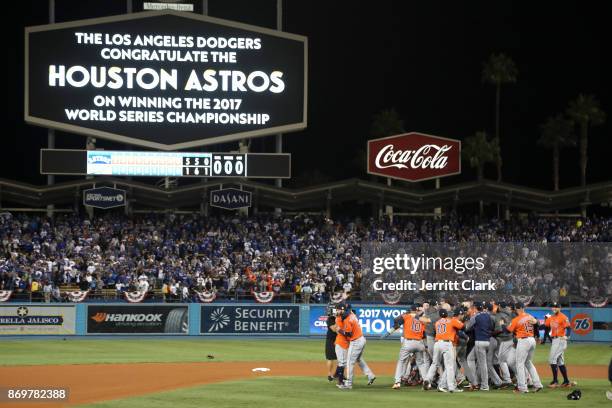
point(446, 329)
point(351, 325)
point(413, 327)
point(521, 326)
point(341, 340)
point(558, 324)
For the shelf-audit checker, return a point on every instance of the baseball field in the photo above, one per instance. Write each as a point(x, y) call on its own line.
point(137, 372)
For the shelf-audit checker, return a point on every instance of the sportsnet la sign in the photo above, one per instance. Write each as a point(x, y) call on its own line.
point(414, 157)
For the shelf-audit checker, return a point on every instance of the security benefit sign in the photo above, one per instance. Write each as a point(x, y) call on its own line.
point(165, 79)
point(252, 319)
point(104, 197)
point(137, 319)
point(37, 320)
point(230, 198)
point(414, 157)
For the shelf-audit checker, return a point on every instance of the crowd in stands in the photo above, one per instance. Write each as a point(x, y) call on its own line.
point(308, 256)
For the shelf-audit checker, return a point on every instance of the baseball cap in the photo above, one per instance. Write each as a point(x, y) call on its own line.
point(489, 306)
point(502, 305)
point(519, 305)
point(479, 305)
point(555, 304)
point(443, 313)
point(414, 307)
point(457, 311)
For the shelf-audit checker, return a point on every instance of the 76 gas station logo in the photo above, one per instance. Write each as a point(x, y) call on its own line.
point(582, 324)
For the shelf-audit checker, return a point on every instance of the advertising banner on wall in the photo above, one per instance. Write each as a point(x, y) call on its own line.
point(165, 79)
point(137, 319)
point(250, 319)
point(104, 197)
point(47, 320)
point(374, 320)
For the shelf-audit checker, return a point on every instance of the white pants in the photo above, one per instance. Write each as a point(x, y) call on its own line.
point(524, 364)
point(408, 348)
point(503, 355)
point(557, 351)
point(354, 355)
point(443, 351)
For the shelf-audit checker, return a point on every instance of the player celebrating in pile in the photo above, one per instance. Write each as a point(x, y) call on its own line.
point(523, 328)
point(348, 326)
point(558, 323)
point(414, 329)
point(446, 330)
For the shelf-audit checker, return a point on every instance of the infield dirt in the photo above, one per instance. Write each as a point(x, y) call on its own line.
point(100, 382)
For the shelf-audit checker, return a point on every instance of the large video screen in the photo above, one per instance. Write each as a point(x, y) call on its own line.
point(165, 80)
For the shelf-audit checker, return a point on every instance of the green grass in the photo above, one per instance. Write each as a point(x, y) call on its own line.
point(309, 392)
point(92, 351)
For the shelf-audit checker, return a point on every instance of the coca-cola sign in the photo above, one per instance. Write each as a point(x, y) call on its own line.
point(414, 156)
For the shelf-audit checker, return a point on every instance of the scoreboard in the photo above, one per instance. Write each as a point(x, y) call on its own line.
point(165, 164)
point(162, 164)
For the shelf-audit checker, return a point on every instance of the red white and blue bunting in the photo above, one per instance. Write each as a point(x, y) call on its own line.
point(5, 295)
point(598, 302)
point(135, 297)
point(524, 299)
point(338, 297)
point(392, 298)
point(206, 296)
point(263, 297)
point(76, 296)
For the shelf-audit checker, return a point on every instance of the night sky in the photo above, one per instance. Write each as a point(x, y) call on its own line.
point(422, 58)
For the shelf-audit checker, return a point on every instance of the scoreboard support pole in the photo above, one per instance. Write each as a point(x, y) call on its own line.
point(279, 137)
point(51, 132)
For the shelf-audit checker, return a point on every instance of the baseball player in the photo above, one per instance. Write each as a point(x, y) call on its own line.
point(523, 328)
point(348, 328)
point(505, 341)
point(431, 313)
point(462, 352)
point(483, 325)
point(444, 351)
point(558, 323)
point(414, 329)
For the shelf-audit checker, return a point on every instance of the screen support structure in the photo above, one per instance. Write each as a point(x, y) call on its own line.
point(279, 137)
point(51, 132)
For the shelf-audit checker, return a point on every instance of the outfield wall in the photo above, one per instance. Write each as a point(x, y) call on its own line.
point(232, 319)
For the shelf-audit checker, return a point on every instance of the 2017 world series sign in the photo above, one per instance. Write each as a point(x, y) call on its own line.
point(165, 79)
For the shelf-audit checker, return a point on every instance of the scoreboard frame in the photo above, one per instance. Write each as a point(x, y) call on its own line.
point(262, 165)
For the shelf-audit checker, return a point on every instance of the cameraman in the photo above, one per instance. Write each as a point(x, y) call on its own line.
point(330, 347)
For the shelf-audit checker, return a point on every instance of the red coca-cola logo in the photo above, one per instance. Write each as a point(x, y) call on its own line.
point(414, 156)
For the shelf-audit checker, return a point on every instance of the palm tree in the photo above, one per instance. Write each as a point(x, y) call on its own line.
point(557, 132)
point(478, 151)
point(499, 69)
point(386, 123)
point(585, 112)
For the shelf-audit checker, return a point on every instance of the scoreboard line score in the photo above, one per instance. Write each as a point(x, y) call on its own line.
point(164, 164)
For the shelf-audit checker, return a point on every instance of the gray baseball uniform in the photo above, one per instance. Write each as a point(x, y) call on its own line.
point(557, 351)
point(443, 351)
